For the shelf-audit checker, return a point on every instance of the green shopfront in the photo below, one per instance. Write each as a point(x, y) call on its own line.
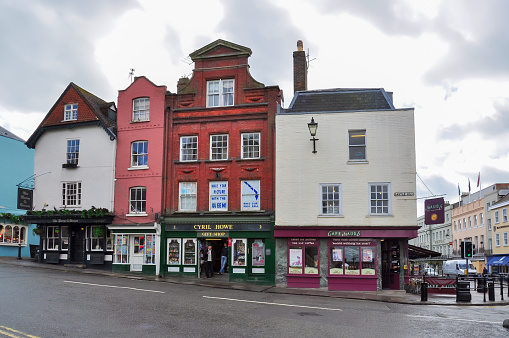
point(250, 242)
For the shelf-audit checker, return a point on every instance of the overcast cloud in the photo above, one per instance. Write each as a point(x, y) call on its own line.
point(447, 59)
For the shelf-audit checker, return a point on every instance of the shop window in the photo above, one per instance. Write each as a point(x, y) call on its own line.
point(109, 240)
point(13, 234)
point(258, 250)
point(368, 260)
point(64, 238)
point(173, 251)
point(150, 249)
point(190, 251)
point(303, 257)
point(52, 237)
point(352, 260)
point(96, 236)
point(336, 260)
point(121, 249)
point(239, 252)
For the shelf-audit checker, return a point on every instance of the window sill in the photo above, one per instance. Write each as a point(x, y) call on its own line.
point(250, 159)
point(140, 214)
point(138, 168)
point(331, 216)
point(357, 162)
point(69, 120)
point(70, 165)
point(186, 162)
point(13, 244)
point(139, 121)
point(215, 161)
point(380, 215)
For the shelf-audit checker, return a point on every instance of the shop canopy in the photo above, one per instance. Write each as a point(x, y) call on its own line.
point(498, 260)
point(417, 252)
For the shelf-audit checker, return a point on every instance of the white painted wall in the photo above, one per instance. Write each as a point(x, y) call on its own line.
point(95, 167)
point(390, 151)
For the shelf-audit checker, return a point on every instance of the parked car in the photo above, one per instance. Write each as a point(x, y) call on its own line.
point(456, 267)
point(430, 272)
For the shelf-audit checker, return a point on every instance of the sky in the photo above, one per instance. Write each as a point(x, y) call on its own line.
point(446, 59)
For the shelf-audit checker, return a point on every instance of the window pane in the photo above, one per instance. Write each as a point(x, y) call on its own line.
point(239, 252)
point(311, 262)
point(357, 145)
point(336, 260)
point(368, 261)
point(330, 199)
point(189, 148)
point(258, 249)
point(218, 196)
point(352, 260)
point(251, 145)
point(219, 147)
point(250, 195)
point(295, 260)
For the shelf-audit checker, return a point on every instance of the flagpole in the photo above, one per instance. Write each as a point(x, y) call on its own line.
point(479, 185)
point(469, 190)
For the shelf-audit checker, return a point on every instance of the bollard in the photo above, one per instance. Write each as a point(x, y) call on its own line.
point(424, 292)
point(19, 251)
point(481, 284)
point(501, 288)
point(491, 290)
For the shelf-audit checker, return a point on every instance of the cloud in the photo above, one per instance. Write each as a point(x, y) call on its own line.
point(48, 45)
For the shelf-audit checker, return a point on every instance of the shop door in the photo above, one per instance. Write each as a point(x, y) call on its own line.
point(77, 246)
point(137, 249)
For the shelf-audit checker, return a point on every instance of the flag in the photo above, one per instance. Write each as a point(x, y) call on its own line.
point(459, 191)
point(469, 185)
point(479, 179)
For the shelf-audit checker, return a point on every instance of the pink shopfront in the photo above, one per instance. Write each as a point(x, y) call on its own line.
point(351, 260)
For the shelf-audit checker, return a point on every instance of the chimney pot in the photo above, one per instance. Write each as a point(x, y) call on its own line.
point(300, 45)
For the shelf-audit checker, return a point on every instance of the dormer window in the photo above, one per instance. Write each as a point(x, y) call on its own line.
point(141, 109)
point(71, 112)
point(220, 93)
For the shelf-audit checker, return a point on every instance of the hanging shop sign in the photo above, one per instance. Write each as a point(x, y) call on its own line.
point(25, 198)
point(434, 211)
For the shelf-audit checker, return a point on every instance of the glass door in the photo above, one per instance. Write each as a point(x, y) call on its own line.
point(138, 249)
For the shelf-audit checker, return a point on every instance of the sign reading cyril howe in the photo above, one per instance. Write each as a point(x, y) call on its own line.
point(434, 211)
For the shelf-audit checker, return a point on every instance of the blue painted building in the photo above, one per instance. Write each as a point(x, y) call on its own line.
point(20, 168)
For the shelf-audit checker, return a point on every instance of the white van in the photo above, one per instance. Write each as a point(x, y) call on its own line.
point(457, 267)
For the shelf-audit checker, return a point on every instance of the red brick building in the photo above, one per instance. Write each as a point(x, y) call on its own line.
point(220, 167)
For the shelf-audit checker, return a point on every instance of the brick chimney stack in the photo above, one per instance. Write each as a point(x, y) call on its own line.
point(300, 68)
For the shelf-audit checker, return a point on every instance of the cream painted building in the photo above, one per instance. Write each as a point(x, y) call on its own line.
point(499, 214)
point(344, 214)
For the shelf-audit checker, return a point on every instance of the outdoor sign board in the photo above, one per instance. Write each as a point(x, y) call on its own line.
point(434, 211)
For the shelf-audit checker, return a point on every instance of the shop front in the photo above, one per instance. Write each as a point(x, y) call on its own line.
point(135, 248)
point(73, 239)
point(250, 248)
point(342, 259)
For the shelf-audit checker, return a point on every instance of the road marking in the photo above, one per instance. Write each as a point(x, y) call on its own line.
point(14, 333)
point(278, 304)
point(453, 318)
point(113, 286)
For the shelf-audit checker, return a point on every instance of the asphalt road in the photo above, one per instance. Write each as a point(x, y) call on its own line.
point(48, 303)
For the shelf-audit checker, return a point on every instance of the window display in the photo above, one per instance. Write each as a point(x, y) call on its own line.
point(352, 261)
point(368, 263)
point(139, 245)
point(150, 249)
point(303, 256)
point(239, 252)
point(336, 260)
point(190, 251)
point(258, 250)
point(121, 249)
point(174, 251)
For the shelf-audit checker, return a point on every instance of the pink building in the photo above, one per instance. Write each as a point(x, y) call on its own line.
point(138, 178)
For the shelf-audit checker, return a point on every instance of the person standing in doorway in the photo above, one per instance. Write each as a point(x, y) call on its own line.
point(210, 258)
point(224, 257)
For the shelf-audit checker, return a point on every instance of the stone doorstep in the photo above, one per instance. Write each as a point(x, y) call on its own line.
point(75, 266)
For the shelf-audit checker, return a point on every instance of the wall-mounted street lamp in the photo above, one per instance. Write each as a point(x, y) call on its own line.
point(313, 126)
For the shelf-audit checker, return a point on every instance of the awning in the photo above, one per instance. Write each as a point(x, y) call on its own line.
point(498, 260)
point(417, 252)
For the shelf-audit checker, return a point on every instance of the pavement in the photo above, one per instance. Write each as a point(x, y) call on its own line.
point(221, 281)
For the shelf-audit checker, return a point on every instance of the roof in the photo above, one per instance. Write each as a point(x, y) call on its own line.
point(501, 202)
point(343, 99)
point(5, 133)
point(220, 48)
point(98, 106)
point(417, 252)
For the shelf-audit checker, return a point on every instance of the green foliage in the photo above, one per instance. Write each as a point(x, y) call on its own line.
point(90, 213)
point(11, 218)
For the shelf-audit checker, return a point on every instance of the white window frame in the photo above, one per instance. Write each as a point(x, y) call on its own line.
point(250, 145)
point(72, 153)
point(475, 221)
point(353, 135)
point(218, 194)
point(370, 200)
point(11, 240)
point(496, 217)
point(189, 154)
point(481, 220)
point(138, 202)
point(504, 215)
point(71, 112)
point(506, 239)
point(95, 241)
point(218, 151)
point(188, 193)
point(334, 192)
point(497, 240)
point(250, 195)
point(71, 193)
point(141, 109)
point(52, 237)
point(135, 156)
point(121, 248)
point(221, 93)
point(470, 222)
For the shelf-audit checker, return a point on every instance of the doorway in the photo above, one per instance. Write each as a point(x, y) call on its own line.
point(217, 245)
point(77, 246)
point(137, 248)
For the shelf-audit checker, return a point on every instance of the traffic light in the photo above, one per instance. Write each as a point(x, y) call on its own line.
point(468, 249)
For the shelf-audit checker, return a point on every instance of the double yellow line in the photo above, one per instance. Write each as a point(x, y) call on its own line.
point(8, 332)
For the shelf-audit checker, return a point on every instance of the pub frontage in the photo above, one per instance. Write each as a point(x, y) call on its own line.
point(250, 242)
point(342, 259)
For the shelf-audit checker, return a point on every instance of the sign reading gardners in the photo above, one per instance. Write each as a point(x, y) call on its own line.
point(434, 211)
